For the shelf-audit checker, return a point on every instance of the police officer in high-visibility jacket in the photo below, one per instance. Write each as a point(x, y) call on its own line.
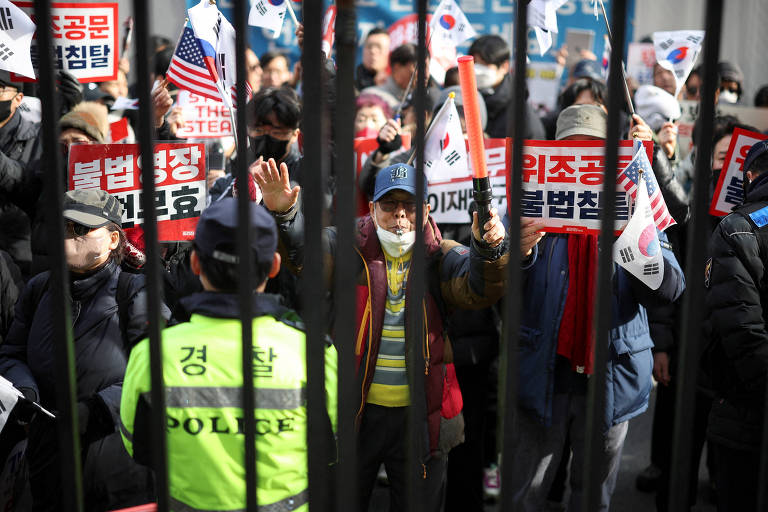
point(202, 361)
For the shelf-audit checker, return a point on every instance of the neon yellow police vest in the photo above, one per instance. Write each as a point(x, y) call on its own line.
point(202, 362)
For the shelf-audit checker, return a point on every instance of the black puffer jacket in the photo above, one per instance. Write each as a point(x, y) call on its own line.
point(737, 305)
point(28, 359)
point(20, 186)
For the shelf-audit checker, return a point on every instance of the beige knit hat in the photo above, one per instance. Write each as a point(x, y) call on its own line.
point(90, 118)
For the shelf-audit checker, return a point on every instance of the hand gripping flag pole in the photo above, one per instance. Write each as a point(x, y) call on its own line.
point(481, 185)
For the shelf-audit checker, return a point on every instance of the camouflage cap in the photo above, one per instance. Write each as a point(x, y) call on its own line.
point(92, 208)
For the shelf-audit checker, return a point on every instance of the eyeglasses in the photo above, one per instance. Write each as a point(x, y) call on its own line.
point(390, 205)
point(9, 89)
point(278, 133)
point(77, 230)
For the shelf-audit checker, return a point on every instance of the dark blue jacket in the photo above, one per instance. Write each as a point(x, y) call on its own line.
point(630, 362)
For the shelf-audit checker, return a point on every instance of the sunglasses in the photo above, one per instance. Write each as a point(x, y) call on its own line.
point(390, 205)
point(77, 230)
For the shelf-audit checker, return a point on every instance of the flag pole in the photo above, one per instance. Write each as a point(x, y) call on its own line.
point(623, 72)
point(450, 100)
point(410, 82)
point(292, 13)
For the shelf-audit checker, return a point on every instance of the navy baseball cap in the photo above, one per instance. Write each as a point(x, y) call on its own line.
point(588, 69)
point(396, 177)
point(757, 149)
point(216, 233)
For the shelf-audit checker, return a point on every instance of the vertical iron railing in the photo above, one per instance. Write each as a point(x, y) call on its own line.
point(693, 302)
point(344, 292)
point(594, 441)
point(415, 288)
point(245, 267)
point(152, 268)
point(66, 396)
point(314, 175)
point(508, 361)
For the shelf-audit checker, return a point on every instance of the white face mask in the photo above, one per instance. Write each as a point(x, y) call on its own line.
point(393, 244)
point(729, 97)
point(85, 252)
point(485, 76)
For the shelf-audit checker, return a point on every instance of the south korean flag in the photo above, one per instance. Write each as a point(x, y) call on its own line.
point(676, 51)
point(445, 152)
point(268, 14)
point(16, 31)
point(638, 250)
point(450, 24)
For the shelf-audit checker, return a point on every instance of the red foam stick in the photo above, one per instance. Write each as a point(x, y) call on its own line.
point(472, 115)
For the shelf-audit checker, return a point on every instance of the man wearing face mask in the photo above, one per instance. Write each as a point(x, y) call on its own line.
point(273, 132)
point(458, 277)
point(20, 179)
point(494, 82)
point(108, 316)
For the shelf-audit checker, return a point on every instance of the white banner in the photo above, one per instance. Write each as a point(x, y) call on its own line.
point(203, 117)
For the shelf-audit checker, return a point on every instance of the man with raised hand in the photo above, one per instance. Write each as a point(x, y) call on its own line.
point(456, 276)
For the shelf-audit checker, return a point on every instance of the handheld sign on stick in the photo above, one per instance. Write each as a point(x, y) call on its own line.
point(481, 185)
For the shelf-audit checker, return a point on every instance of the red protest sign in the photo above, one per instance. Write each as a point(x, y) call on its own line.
point(203, 117)
point(729, 191)
point(84, 40)
point(116, 168)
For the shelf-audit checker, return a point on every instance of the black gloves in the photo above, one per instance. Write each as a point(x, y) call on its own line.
point(70, 89)
point(387, 147)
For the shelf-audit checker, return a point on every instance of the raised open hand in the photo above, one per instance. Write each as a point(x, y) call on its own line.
point(275, 186)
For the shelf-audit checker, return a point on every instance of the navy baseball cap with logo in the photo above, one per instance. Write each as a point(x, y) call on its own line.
point(92, 208)
point(216, 233)
point(396, 177)
point(757, 149)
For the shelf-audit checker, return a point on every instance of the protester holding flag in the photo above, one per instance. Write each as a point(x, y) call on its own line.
point(557, 329)
point(467, 278)
point(494, 82)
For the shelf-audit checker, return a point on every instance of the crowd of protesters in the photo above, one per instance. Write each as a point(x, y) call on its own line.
point(466, 269)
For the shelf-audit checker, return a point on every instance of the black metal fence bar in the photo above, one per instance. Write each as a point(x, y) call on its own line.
point(245, 290)
point(315, 172)
point(693, 302)
point(66, 401)
point(508, 374)
point(594, 444)
point(416, 283)
point(344, 291)
point(152, 267)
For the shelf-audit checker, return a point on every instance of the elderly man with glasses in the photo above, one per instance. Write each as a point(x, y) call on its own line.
point(457, 277)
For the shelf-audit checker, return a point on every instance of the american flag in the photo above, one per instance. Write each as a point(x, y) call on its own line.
point(628, 179)
point(188, 70)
